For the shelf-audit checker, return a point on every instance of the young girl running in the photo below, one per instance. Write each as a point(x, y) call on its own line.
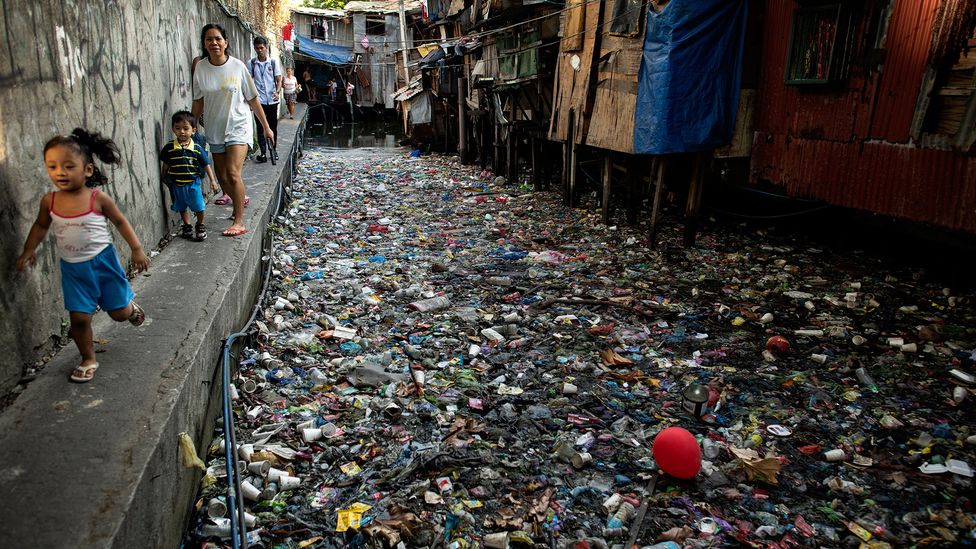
point(91, 275)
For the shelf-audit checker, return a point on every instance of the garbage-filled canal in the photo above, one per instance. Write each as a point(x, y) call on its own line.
point(444, 360)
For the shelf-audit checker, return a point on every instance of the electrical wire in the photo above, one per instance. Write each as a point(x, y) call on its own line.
point(353, 42)
point(513, 52)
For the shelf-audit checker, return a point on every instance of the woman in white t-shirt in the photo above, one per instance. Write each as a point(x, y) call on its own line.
point(291, 88)
point(224, 93)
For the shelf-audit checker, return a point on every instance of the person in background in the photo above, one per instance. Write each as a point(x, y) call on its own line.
point(291, 88)
point(222, 90)
point(91, 274)
point(309, 86)
point(267, 79)
point(332, 89)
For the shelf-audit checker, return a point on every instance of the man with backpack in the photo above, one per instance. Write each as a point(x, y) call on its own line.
point(267, 78)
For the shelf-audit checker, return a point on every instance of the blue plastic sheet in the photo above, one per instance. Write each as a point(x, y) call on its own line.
point(688, 84)
point(327, 53)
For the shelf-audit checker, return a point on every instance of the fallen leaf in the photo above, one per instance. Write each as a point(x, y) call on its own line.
point(612, 358)
point(764, 469)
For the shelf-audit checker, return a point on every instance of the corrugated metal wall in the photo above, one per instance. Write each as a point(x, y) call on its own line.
point(850, 145)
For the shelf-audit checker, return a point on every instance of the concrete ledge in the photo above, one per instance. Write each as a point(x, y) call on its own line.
point(97, 464)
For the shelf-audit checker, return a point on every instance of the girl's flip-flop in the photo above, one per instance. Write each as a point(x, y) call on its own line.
point(234, 231)
point(86, 373)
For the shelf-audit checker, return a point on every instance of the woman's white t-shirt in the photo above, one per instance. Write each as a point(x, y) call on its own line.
point(289, 84)
point(225, 91)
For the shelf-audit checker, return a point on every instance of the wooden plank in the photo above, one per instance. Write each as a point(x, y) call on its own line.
point(612, 124)
point(745, 123)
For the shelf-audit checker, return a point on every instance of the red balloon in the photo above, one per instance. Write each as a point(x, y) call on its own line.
point(677, 452)
point(778, 345)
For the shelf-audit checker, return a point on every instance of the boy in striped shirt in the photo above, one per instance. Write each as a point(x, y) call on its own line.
point(183, 162)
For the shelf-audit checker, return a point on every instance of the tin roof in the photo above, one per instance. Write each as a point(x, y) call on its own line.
point(383, 6)
point(318, 11)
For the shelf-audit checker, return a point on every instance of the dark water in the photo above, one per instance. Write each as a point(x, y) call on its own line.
point(345, 135)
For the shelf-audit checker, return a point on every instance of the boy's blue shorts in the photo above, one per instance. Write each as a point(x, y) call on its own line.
point(187, 196)
point(98, 282)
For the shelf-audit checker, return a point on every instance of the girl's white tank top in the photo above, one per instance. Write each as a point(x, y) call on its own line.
point(80, 237)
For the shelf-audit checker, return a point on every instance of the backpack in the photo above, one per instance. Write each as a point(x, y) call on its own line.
point(274, 65)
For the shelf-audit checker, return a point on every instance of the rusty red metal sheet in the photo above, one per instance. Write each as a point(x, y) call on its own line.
point(850, 146)
point(927, 185)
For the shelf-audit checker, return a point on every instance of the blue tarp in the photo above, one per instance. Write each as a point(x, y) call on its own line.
point(327, 53)
point(688, 84)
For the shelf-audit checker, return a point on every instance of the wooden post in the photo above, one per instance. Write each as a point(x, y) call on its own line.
point(403, 44)
point(463, 119)
point(655, 205)
point(693, 207)
point(496, 157)
point(511, 155)
point(536, 164)
point(634, 188)
point(607, 182)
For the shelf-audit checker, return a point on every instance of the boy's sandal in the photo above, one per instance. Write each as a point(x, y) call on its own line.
point(138, 316)
point(234, 231)
point(186, 231)
point(83, 374)
point(222, 200)
point(201, 232)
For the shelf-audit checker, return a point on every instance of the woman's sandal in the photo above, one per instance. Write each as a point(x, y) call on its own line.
point(201, 232)
point(234, 231)
point(138, 316)
point(83, 374)
point(222, 200)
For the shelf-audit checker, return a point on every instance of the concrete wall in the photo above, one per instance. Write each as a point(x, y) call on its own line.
point(118, 67)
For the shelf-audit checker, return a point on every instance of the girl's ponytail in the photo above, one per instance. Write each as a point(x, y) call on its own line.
point(94, 144)
point(97, 145)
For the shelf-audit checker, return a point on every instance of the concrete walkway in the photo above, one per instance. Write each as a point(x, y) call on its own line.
point(97, 464)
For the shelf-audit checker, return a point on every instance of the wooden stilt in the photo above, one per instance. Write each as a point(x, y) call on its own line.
point(633, 188)
point(607, 182)
point(573, 199)
point(656, 204)
point(463, 119)
point(536, 164)
point(693, 206)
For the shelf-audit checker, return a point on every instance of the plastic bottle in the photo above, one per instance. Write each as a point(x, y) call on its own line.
point(624, 513)
point(431, 304)
point(876, 528)
point(865, 378)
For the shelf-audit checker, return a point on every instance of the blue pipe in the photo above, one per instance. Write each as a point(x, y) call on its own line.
point(238, 524)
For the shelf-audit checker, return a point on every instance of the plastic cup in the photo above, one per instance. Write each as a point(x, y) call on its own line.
point(216, 508)
point(581, 459)
point(250, 492)
point(311, 435)
point(244, 451)
point(259, 467)
point(835, 455)
point(289, 483)
point(275, 475)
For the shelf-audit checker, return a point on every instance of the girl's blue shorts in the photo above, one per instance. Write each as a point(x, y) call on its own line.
point(98, 282)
